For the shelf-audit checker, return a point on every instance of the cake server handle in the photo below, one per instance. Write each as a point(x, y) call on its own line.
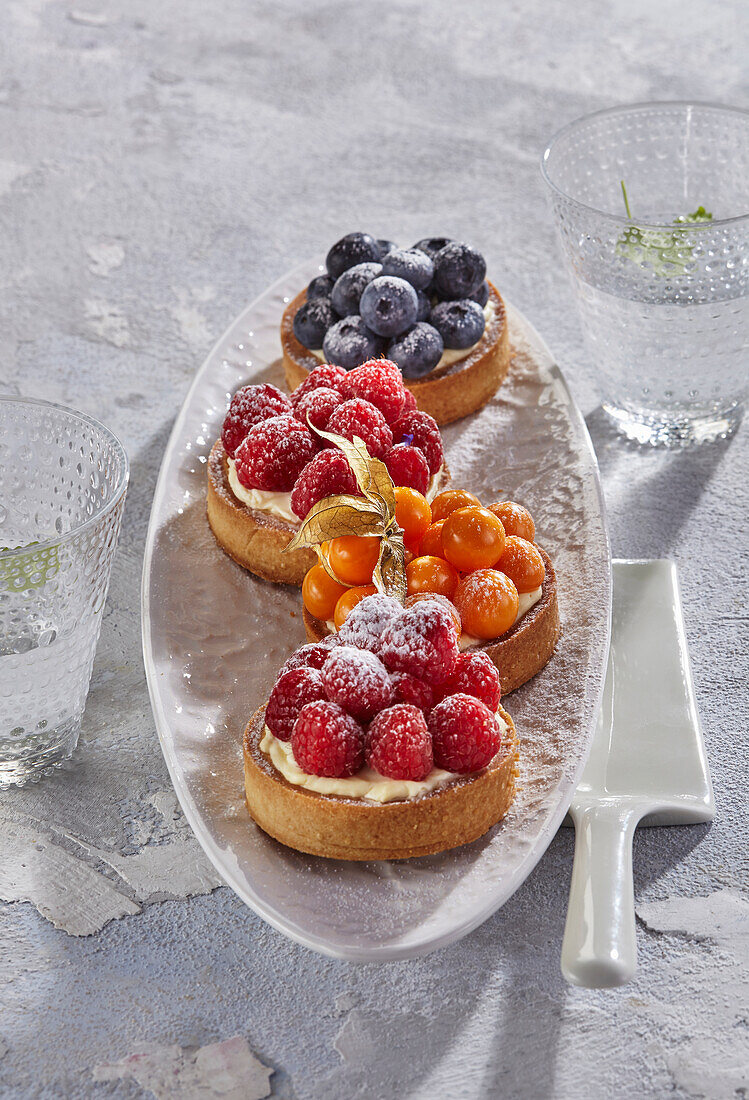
point(599, 949)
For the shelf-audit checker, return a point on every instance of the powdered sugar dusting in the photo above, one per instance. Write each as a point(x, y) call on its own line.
point(399, 744)
point(366, 623)
point(419, 429)
point(357, 417)
point(312, 656)
point(465, 733)
point(358, 681)
point(423, 641)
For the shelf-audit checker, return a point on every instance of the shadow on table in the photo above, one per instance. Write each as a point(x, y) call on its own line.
point(658, 849)
point(654, 479)
point(527, 934)
point(522, 1059)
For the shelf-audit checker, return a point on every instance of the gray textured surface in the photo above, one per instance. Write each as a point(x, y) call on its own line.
point(160, 163)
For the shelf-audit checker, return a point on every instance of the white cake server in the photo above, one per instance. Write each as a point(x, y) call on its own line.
point(647, 765)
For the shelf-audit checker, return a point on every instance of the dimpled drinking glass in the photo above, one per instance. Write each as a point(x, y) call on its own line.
point(63, 478)
point(652, 207)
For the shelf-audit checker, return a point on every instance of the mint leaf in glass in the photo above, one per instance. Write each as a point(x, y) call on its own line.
point(666, 252)
point(28, 568)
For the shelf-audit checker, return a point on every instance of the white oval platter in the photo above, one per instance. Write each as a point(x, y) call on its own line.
point(214, 637)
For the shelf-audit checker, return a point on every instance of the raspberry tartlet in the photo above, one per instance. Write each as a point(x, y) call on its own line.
point(483, 562)
point(428, 308)
point(383, 742)
point(271, 465)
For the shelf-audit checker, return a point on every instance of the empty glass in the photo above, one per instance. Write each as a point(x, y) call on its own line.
point(63, 478)
point(652, 206)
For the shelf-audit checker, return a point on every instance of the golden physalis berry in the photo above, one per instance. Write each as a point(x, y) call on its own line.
point(320, 592)
point(348, 601)
point(516, 519)
point(452, 499)
point(488, 603)
point(522, 563)
point(431, 542)
point(353, 557)
point(430, 574)
point(472, 538)
point(413, 514)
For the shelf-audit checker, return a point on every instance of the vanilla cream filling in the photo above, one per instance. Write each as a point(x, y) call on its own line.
point(449, 355)
point(366, 784)
point(279, 504)
point(526, 600)
point(436, 482)
point(261, 500)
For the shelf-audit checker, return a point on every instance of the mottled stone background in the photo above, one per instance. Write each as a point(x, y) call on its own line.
point(161, 162)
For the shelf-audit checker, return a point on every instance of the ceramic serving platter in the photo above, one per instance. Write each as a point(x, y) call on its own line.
point(214, 637)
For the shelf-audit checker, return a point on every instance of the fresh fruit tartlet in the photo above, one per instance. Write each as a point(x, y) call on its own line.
point(428, 308)
point(499, 585)
point(382, 742)
point(271, 465)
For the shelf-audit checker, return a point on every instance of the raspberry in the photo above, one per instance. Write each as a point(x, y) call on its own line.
point(248, 407)
point(420, 430)
point(409, 404)
point(409, 689)
point(465, 734)
point(292, 691)
point(327, 475)
point(308, 656)
point(381, 383)
point(274, 453)
point(360, 417)
point(327, 741)
point(327, 374)
point(475, 674)
point(358, 681)
point(317, 406)
point(366, 622)
point(399, 744)
point(435, 597)
point(422, 642)
point(407, 466)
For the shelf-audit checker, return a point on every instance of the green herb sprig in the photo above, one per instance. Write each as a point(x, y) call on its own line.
point(666, 252)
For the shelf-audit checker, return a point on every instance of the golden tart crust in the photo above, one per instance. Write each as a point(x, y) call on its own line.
point(340, 828)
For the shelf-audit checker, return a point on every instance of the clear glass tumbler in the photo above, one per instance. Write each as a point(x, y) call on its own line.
point(652, 207)
point(63, 478)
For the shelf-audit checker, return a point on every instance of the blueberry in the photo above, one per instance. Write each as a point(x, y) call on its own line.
point(459, 270)
point(418, 351)
point(423, 306)
point(410, 264)
point(349, 286)
point(481, 295)
point(354, 248)
point(385, 247)
point(350, 343)
point(432, 245)
point(320, 287)
point(460, 324)
point(312, 321)
point(389, 305)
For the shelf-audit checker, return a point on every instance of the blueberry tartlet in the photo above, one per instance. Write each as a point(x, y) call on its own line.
point(429, 308)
